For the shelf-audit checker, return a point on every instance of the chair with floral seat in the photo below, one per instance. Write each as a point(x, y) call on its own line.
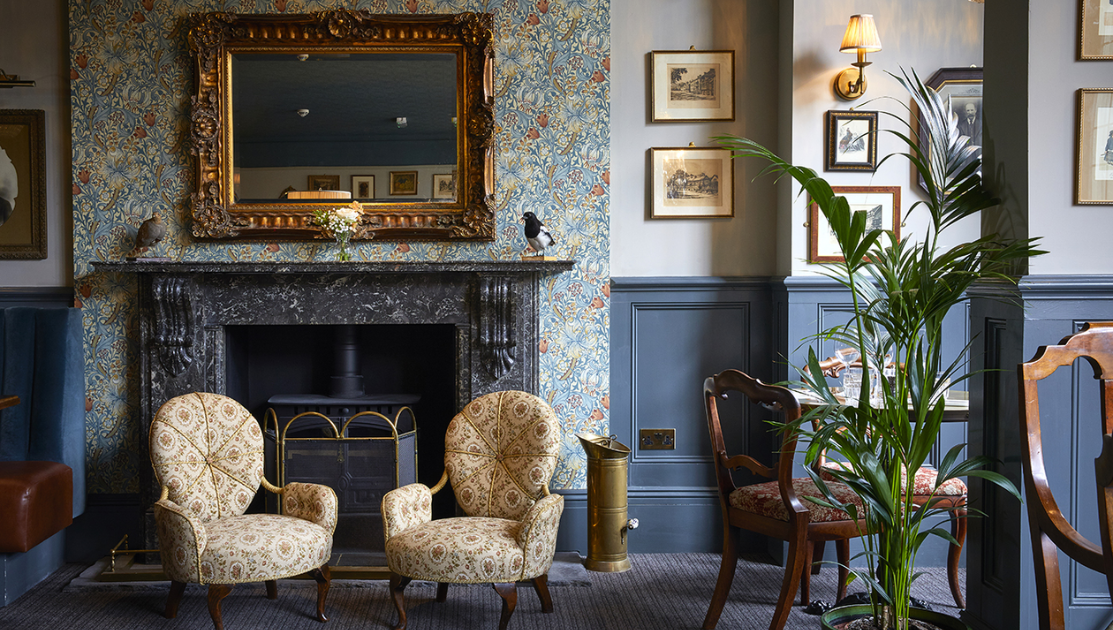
point(500, 453)
point(207, 454)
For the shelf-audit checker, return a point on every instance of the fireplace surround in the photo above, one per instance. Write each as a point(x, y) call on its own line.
point(184, 308)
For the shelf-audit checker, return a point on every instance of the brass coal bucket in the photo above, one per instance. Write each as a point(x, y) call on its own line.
point(607, 524)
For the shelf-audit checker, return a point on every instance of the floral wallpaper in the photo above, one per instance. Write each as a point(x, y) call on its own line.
point(131, 81)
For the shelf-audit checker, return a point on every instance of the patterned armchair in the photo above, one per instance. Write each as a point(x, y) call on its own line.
point(500, 453)
point(207, 452)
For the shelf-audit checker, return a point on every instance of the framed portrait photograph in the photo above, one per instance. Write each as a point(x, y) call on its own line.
point(22, 184)
point(691, 183)
point(881, 205)
point(324, 182)
point(691, 85)
point(851, 141)
point(363, 186)
point(1096, 38)
point(961, 89)
point(444, 186)
point(403, 182)
point(1095, 147)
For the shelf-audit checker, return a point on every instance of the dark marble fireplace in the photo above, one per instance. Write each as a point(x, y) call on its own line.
point(188, 309)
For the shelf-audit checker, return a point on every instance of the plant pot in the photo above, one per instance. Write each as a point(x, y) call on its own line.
point(843, 614)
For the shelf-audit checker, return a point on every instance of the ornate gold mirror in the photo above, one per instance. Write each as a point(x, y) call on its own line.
point(296, 113)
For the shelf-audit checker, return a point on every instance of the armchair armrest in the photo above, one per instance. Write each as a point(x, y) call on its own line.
point(406, 507)
point(182, 538)
point(538, 535)
point(311, 502)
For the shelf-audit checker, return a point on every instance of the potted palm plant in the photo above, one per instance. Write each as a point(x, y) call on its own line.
point(901, 292)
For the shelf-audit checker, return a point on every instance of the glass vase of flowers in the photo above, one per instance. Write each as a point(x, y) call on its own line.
point(340, 224)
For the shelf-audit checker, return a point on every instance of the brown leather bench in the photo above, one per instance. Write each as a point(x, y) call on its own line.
point(36, 499)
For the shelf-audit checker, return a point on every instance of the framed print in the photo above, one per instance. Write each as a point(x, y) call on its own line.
point(1095, 147)
point(324, 182)
point(881, 205)
point(851, 141)
point(403, 182)
point(961, 89)
point(691, 183)
point(363, 186)
point(691, 85)
point(22, 184)
point(1096, 38)
point(444, 186)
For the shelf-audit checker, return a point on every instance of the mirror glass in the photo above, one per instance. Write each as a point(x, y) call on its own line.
point(344, 121)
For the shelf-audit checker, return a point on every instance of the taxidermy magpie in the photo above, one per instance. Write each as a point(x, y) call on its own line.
point(538, 237)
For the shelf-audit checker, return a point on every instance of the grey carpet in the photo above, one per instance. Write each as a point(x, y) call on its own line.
point(660, 591)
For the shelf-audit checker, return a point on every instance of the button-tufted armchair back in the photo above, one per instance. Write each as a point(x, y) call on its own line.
point(208, 451)
point(500, 453)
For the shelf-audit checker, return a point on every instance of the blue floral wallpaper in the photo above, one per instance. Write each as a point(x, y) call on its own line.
point(131, 80)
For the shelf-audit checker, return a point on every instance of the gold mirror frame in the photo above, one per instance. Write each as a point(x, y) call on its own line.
point(216, 36)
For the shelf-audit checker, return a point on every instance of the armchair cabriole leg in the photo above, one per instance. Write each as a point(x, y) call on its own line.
point(175, 598)
point(397, 585)
point(541, 585)
point(272, 589)
point(442, 592)
point(324, 580)
point(509, 595)
point(217, 592)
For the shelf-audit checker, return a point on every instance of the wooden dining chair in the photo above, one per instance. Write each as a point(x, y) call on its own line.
point(778, 508)
point(1051, 532)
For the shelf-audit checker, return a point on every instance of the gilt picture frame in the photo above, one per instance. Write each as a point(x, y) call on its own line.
point(691, 183)
point(851, 141)
point(691, 85)
point(1095, 41)
point(403, 182)
point(323, 182)
point(882, 205)
point(961, 89)
point(22, 184)
point(363, 186)
point(1095, 147)
point(444, 186)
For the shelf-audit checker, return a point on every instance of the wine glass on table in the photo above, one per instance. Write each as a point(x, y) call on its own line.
point(845, 357)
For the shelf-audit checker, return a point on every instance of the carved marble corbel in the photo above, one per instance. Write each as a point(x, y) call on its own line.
point(173, 334)
point(496, 325)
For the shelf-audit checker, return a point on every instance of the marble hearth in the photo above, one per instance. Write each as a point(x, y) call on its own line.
point(185, 307)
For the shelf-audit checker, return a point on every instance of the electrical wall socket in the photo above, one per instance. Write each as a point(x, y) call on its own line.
point(657, 439)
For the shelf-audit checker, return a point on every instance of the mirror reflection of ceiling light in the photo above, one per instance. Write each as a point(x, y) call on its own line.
point(303, 112)
point(303, 57)
point(401, 122)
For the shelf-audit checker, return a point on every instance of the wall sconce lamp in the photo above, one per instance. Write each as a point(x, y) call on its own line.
point(861, 37)
point(12, 80)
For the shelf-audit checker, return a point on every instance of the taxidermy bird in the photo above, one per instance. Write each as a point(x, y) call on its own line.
point(150, 232)
point(537, 235)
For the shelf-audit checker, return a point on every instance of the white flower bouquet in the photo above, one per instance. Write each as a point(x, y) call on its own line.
point(340, 224)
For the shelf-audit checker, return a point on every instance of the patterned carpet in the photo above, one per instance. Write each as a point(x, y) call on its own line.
point(664, 591)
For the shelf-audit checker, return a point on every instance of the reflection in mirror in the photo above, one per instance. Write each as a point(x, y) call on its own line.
point(351, 115)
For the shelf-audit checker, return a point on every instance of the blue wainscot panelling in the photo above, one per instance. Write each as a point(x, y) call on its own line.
point(1010, 326)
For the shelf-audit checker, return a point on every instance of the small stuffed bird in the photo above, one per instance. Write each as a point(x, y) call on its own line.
point(536, 235)
point(150, 232)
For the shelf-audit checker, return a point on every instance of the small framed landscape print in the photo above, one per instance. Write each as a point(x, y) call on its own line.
point(403, 182)
point(22, 184)
point(1096, 39)
point(363, 186)
point(1095, 146)
point(691, 183)
point(324, 182)
point(444, 186)
point(881, 205)
point(691, 85)
point(961, 89)
point(851, 141)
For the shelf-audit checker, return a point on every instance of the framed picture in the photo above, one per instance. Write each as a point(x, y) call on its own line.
point(961, 89)
point(691, 183)
point(1095, 146)
point(324, 182)
point(22, 184)
point(851, 141)
point(444, 186)
point(1096, 40)
point(691, 85)
point(363, 186)
point(403, 182)
point(881, 205)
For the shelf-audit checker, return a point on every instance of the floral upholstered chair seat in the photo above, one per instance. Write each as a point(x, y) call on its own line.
point(207, 452)
point(500, 453)
point(764, 499)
